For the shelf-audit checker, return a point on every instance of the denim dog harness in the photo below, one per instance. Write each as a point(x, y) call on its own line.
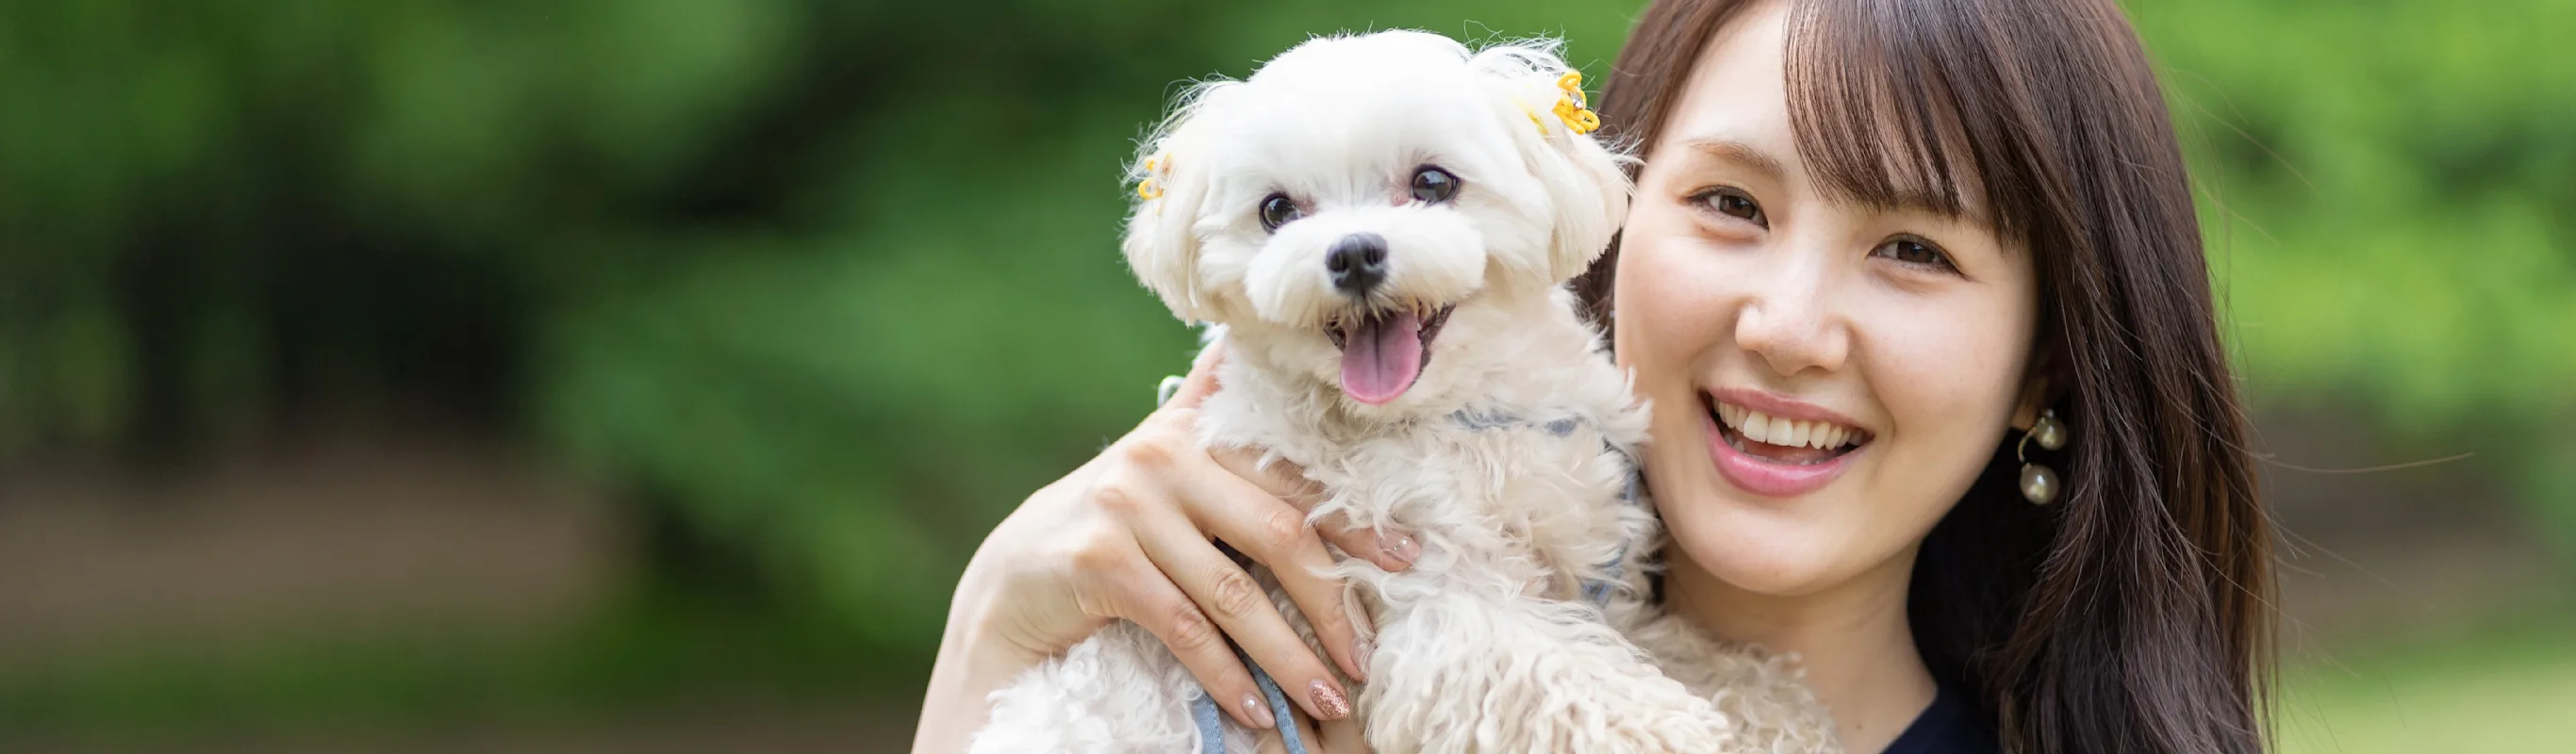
point(1212, 734)
point(1207, 717)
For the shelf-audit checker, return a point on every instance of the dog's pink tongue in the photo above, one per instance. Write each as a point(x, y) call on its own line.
point(1382, 358)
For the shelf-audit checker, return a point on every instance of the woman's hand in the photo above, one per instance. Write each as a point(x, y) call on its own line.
point(1330, 737)
point(1127, 536)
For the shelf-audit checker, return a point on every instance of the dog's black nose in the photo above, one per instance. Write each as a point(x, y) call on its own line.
point(1358, 262)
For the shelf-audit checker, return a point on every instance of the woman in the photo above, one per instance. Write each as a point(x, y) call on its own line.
point(1959, 231)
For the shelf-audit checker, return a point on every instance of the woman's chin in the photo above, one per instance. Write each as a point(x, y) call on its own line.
point(1756, 550)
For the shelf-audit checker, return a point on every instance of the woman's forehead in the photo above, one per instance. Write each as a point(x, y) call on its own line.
point(1737, 93)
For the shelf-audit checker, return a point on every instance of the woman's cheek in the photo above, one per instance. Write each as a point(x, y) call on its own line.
point(1948, 379)
point(1670, 311)
point(1677, 294)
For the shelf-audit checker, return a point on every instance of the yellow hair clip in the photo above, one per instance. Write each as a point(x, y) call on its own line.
point(1571, 106)
point(1146, 189)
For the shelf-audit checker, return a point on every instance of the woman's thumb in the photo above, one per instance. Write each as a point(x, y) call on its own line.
point(1202, 380)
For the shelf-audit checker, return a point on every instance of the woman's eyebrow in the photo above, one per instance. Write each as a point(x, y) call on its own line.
point(1739, 153)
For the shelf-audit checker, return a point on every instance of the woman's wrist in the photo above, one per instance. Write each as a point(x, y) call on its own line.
point(975, 659)
point(988, 651)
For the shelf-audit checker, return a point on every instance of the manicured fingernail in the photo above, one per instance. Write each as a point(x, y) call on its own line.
point(1260, 713)
point(1401, 550)
point(1328, 702)
point(1360, 649)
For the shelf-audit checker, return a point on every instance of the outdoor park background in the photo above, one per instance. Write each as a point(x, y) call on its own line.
point(636, 375)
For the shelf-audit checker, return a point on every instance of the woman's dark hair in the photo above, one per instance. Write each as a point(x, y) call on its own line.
point(2133, 614)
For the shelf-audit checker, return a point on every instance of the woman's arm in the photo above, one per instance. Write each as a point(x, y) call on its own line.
point(1128, 536)
point(974, 659)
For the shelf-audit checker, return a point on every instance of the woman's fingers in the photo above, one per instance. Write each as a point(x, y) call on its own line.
point(1140, 592)
point(1261, 511)
point(1280, 478)
point(1273, 742)
point(1393, 551)
point(1328, 737)
point(1202, 380)
point(1212, 497)
point(1389, 550)
point(1274, 533)
point(1335, 737)
point(1239, 606)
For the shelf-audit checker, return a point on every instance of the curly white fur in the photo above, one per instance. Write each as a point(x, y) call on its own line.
point(1485, 644)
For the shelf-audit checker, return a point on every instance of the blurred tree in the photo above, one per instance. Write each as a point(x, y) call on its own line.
point(837, 280)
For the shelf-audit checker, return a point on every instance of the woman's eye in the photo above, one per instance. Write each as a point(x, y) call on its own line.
point(1734, 203)
point(1432, 185)
point(1277, 210)
point(1914, 252)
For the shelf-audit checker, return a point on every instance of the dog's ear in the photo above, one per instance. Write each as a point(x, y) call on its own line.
point(1171, 174)
point(1589, 187)
point(1587, 183)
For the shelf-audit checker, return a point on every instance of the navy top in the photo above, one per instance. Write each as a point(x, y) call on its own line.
point(1949, 726)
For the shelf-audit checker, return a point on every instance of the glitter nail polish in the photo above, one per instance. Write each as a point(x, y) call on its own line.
point(1328, 702)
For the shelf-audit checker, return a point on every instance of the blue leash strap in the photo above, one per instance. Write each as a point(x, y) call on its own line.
point(1599, 591)
point(1203, 711)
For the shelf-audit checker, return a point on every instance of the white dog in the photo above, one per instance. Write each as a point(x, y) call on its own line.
point(1382, 226)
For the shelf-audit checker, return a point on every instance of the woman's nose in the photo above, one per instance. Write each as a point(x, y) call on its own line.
point(1789, 319)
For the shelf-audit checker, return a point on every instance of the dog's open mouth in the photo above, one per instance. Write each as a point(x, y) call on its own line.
point(1385, 350)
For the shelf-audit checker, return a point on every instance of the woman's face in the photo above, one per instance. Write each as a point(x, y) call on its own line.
point(1827, 378)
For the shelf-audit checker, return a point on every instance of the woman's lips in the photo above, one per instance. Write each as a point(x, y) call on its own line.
point(1765, 477)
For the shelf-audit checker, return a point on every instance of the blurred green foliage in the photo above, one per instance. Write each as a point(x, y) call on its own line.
point(837, 280)
point(662, 651)
point(2506, 689)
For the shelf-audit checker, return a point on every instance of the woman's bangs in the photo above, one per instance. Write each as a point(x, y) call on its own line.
point(1874, 106)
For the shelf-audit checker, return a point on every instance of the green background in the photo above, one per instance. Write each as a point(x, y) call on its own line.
point(818, 290)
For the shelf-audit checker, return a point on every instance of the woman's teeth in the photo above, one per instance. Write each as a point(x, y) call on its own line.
point(1757, 427)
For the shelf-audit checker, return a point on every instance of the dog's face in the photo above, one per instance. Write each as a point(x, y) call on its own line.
point(1343, 205)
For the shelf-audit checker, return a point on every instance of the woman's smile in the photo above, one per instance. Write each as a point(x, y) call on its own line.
point(1775, 446)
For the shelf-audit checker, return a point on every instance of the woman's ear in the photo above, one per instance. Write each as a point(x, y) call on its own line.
point(1171, 179)
point(2034, 397)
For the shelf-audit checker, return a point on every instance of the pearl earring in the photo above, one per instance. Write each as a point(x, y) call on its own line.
point(2039, 483)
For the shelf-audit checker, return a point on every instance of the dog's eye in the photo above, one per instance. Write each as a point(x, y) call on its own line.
point(1431, 185)
point(1277, 210)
